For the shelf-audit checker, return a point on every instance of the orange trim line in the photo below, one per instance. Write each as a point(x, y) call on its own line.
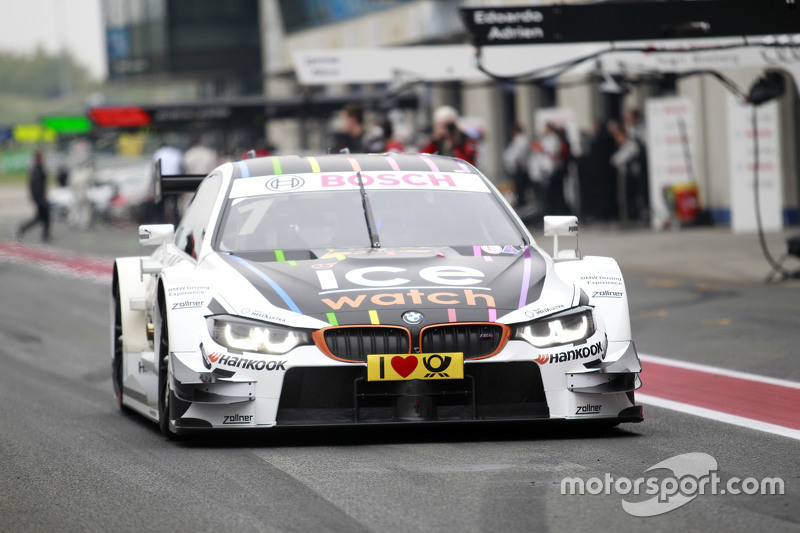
point(319, 339)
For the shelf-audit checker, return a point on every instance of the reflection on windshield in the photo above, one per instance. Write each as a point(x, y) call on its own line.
point(403, 218)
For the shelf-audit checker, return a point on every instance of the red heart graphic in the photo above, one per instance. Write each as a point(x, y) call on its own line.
point(404, 365)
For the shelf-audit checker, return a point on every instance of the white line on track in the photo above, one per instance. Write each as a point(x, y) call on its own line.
point(718, 416)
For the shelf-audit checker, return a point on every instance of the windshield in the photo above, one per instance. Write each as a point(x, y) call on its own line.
point(403, 218)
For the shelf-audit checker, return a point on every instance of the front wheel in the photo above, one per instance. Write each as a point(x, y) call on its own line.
point(165, 395)
point(117, 363)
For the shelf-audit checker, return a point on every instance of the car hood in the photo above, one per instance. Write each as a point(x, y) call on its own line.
point(394, 287)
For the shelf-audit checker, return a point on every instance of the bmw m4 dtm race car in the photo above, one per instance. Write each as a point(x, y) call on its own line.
point(363, 289)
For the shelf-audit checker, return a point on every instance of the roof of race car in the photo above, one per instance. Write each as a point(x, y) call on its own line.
point(294, 164)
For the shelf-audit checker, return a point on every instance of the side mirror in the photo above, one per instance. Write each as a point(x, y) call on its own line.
point(155, 234)
point(562, 226)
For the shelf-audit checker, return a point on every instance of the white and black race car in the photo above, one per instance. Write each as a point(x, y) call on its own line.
point(362, 289)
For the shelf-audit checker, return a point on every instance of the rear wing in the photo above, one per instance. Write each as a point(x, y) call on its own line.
point(174, 183)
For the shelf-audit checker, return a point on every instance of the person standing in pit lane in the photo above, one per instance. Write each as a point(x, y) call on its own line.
point(37, 181)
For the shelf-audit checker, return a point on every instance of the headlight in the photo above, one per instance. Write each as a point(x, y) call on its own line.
point(247, 336)
point(568, 329)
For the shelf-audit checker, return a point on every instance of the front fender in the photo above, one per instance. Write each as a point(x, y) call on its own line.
point(601, 279)
point(132, 300)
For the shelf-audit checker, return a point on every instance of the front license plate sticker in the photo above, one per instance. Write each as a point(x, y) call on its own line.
point(400, 367)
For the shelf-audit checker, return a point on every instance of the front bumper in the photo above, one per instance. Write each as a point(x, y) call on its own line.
point(493, 389)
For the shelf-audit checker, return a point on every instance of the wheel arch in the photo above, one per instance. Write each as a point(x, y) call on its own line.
point(128, 280)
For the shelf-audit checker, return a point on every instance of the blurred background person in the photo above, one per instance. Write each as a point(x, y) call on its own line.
point(515, 163)
point(171, 158)
point(199, 159)
point(351, 136)
point(448, 138)
point(81, 178)
point(629, 160)
point(37, 183)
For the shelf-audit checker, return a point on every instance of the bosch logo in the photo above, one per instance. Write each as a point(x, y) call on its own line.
point(285, 183)
point(412, 317)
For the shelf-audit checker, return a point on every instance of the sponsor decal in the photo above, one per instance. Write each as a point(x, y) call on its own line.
point(246, 364)
point(540, 311)
point(186, 305)
point(510, 250)
point(570, 355)
point(285, 183)
point(237, 419)
point(602, 280)
point(390, 179)
point(588, 409)
point(412, 317)
point(261, 315)
point(415, 297)
point(187, 290)
point(398, 367)
point(142, 368)
point(494, 250)
point(388, 276)
point(607, 294)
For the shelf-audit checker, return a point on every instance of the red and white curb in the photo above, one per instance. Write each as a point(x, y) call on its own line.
point(58, 261)
point(747, 400)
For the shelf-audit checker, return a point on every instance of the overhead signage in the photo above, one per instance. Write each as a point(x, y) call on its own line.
point(67, 124)
point(627, 21)
point(120, 117)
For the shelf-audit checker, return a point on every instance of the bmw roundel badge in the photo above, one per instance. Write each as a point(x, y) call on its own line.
point(412, 317)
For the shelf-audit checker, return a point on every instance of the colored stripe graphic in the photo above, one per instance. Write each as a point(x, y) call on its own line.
point(276, 165)
point(430, 162)
point(451, 315)
point(373, 317)
point(392, 163)
point(354, 164)
point(492, 315)
point(279, 257)
point(269, 281)
point(526, 277)
point(243, 168)
point(461, 164)
point(314, 164)
point(476, 250)
point(332, 319)
point(709, 389)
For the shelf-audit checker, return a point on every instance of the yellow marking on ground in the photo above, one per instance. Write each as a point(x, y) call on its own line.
point(716, 322)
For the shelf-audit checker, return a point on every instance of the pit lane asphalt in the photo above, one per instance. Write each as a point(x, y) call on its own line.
point(69, 461)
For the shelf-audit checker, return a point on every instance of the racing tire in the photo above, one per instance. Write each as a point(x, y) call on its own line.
point(165, 395)
point(117, 356)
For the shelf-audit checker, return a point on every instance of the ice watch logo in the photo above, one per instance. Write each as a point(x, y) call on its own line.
point(436, 365)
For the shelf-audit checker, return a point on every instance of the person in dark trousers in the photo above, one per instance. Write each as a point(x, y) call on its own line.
point(38, 189)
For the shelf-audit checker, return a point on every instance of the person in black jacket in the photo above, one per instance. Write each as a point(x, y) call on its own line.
point(38, 188)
